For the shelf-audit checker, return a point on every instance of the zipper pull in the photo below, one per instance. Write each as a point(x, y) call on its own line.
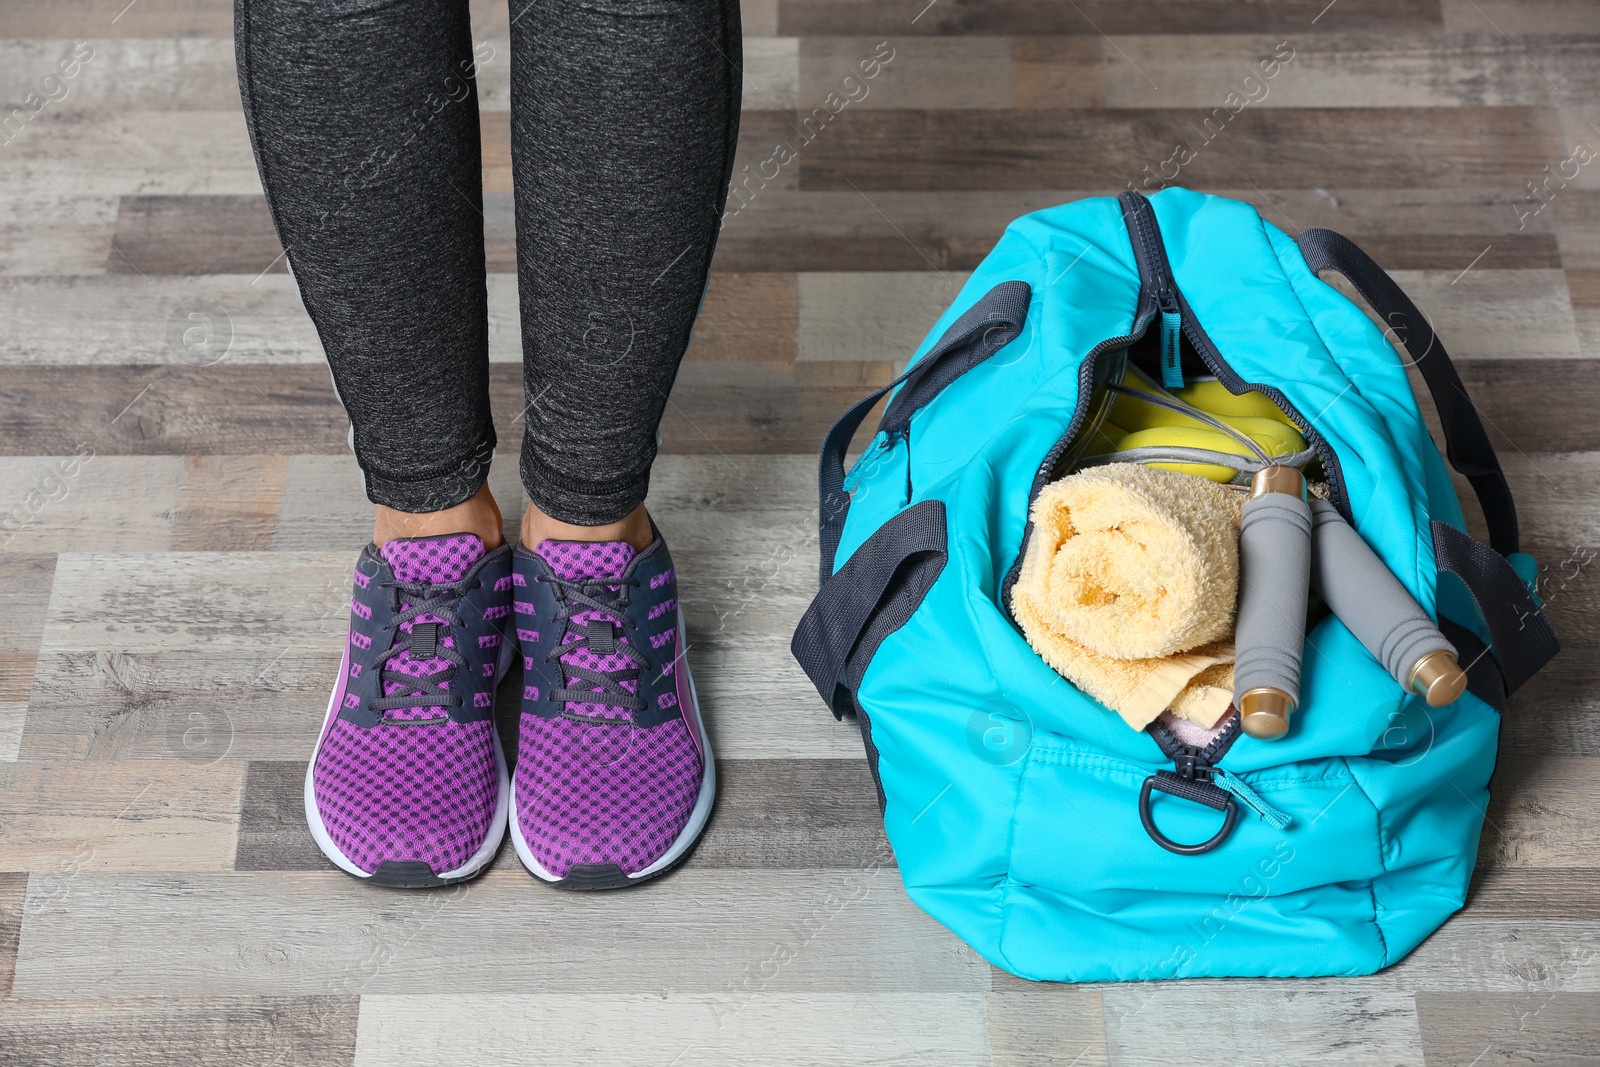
point(1232, 783)
point(1171, 356)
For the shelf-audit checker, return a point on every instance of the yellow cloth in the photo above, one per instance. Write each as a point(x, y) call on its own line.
point(1128, 589)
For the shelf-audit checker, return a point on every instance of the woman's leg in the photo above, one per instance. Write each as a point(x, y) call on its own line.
point(364, 119)
point(365, 126)
point(624, 116)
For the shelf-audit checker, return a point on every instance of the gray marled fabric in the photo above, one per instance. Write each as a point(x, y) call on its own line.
point(364, 118)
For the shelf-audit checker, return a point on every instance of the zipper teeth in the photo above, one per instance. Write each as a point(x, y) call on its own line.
point(1208, 756)
point(1155, 255)
point(1080, 410)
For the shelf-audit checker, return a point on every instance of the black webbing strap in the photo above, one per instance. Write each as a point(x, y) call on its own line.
point(1465, 442)
point(981, 331)
point(1519, 634)
point(1484, 679)
point(872, 596)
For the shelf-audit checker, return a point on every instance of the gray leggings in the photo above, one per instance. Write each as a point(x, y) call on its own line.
point(624, 114)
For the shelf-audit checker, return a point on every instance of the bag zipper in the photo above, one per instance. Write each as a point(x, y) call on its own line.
point(1196, 762)
point(1156, 272)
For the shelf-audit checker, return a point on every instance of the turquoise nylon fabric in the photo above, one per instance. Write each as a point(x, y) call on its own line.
point(1012, 797)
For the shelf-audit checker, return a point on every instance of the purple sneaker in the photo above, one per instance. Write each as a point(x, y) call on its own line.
point(408, 785)
point(614, 776)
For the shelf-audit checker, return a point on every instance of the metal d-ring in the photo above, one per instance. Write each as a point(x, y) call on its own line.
point(1227, 806)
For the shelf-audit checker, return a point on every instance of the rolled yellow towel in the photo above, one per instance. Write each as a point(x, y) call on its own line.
point(1128, 589)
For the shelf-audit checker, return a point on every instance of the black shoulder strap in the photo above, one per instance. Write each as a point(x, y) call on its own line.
point(1520, 636)
point(981, 331)
point(1465, 442)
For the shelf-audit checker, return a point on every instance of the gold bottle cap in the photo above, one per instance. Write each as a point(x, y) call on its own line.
point(1438, 678)
point(1276, 479)
point(1264, 712)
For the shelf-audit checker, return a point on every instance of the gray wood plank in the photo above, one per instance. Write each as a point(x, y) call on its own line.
point(943, 72)
point(150, 152)
point(160, 73)
point(1094, 17)
point(192, 656)
point(1529, 408)
point(1520, 16)
point(145, 816)
point(13, 718)
point(878, 315)
point(13, 889)
point(745, 318)
point(203, 1031)
point(228, 503)
point(772, 73)
point(1502, 1029)
point(1260, 1024)
point(40, 233)
point(1574, 213)
point(272, 820)
point(196, 235)
point(1542, 813)
point(694, 931)
point(150, 18)
point(1481, 68)
point(951, 149)
point(760, 17)
point(1485, 313)
point(1534, 893)
point(82, 500)
point(1505, 955)
point(717, 406)
point(25, 580)
point(783, 814)
point(828, 1029)
point(126, 318)
point(1038, 1025)
point(1058, 71)
point(204, 319)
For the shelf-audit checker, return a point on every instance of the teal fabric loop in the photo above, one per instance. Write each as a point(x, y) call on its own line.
point(1250, 798)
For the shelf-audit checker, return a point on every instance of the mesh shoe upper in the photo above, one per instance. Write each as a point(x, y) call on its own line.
point(608, 770)
point(406, 769)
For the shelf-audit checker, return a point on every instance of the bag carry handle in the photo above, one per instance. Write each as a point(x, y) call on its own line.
point(871, 597)
point(1520, 636)
point(981, 331)
point(1466, 444)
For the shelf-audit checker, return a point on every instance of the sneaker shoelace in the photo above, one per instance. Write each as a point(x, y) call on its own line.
point(607, 599)
point(425, 642)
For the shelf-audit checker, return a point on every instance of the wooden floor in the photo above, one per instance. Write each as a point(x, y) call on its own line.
point(178, 514)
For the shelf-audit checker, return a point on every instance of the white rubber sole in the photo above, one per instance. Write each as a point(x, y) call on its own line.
point(502, 807)
point(698, 815)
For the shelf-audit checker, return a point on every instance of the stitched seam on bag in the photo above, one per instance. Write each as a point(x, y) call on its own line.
point(1372, 888)
point(1009, 881)
point(1090, 760)
point(1268, 785)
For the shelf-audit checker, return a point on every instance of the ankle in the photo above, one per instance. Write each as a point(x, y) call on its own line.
point(634, 529)
point(478, 515)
